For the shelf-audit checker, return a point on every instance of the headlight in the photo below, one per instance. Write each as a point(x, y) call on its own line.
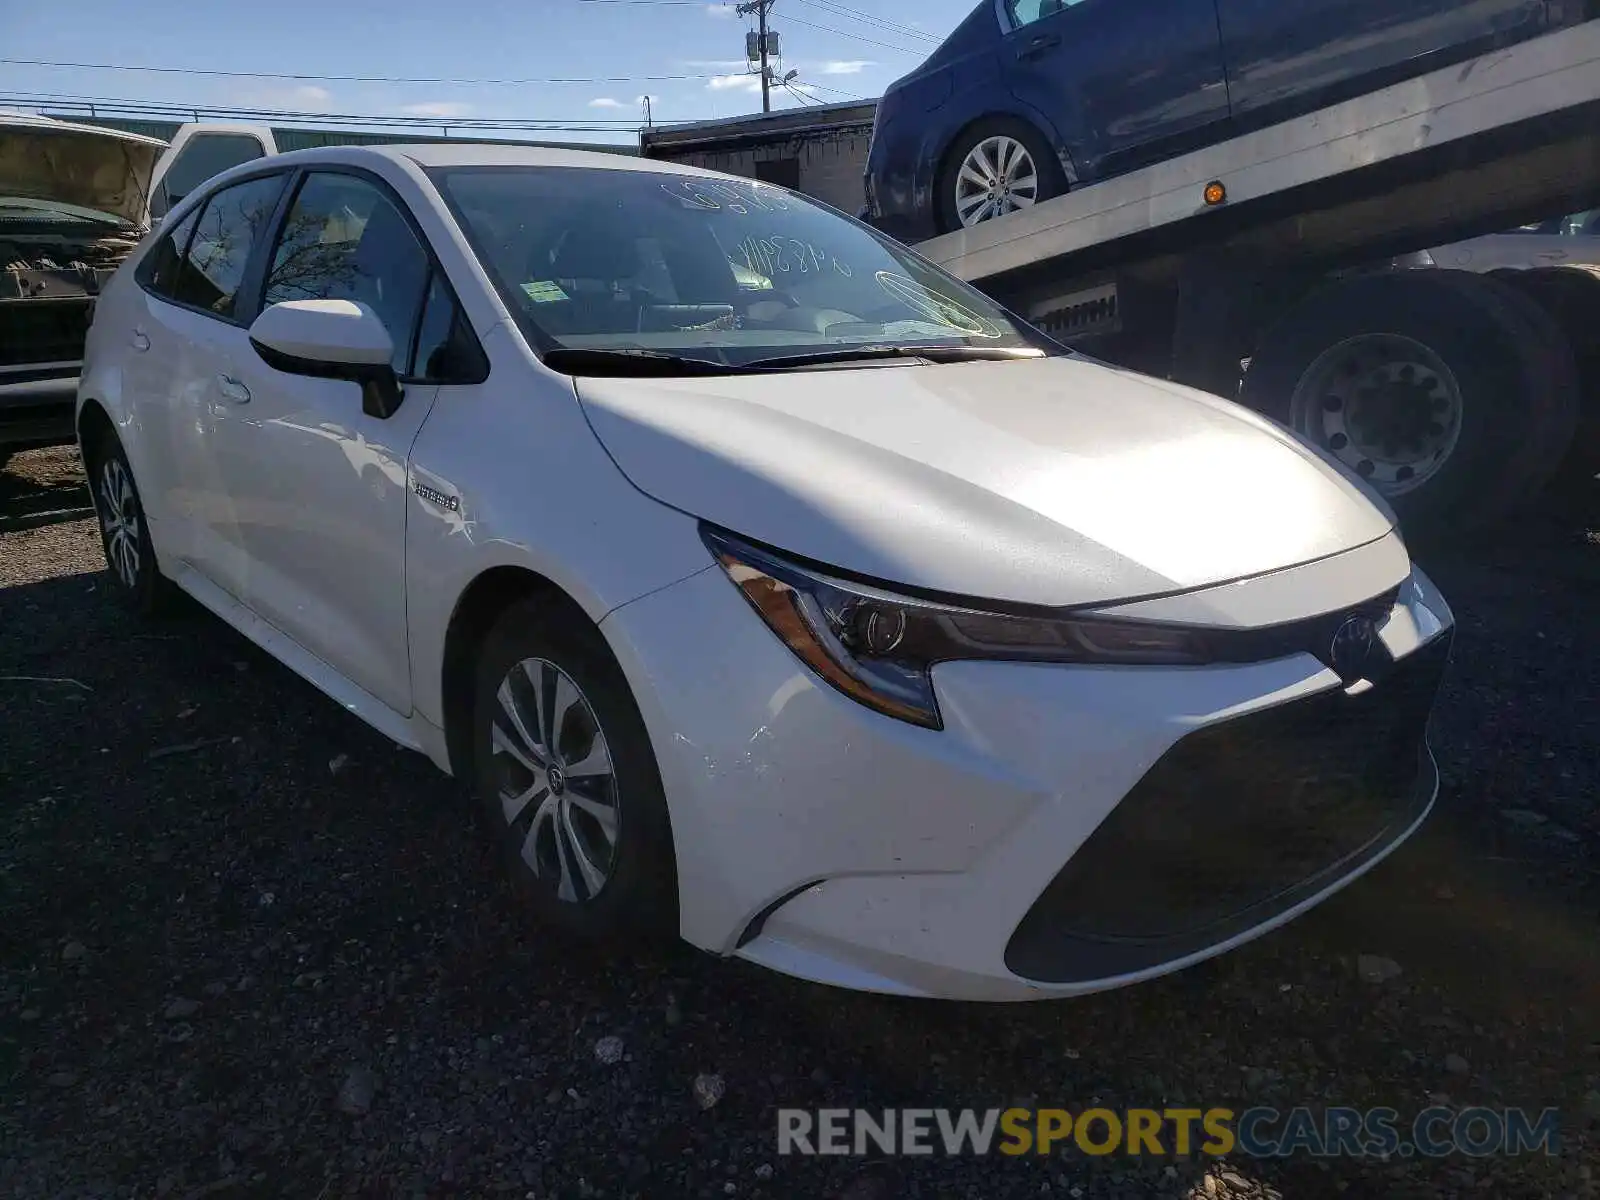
point(879, 648)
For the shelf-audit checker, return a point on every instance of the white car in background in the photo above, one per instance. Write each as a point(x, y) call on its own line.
point(769, 586)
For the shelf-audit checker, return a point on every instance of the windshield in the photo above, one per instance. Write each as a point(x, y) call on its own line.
point(726, 270)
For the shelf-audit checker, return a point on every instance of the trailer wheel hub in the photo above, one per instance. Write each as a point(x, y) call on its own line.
point(1386, 406)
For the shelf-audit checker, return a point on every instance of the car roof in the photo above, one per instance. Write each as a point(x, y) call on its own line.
point(443, 154)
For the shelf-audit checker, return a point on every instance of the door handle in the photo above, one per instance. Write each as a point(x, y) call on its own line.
point(1038, 45)
point(233, 389)
point(140, 342)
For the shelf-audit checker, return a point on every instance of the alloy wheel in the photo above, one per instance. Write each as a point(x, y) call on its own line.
point(119, 518)
point(557, 785)
point(998, 176)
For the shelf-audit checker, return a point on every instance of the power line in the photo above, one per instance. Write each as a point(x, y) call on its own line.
point(856, 36)
point(112, 106)
point(307, 77)
point(817, 87)
point(840, 10)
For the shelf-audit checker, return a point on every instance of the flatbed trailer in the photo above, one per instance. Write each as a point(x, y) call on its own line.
point(1275, 268)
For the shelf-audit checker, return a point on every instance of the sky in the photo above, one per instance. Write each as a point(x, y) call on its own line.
point(687, 55)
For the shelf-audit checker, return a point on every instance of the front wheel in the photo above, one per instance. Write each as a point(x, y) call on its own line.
point(565, 773)
point(995, 168)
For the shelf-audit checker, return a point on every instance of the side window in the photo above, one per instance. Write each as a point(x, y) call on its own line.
point(159, 271)
point(202, 156)
point(344, 239)
point(447, 350)
point(229, 224)
point(1026, 12)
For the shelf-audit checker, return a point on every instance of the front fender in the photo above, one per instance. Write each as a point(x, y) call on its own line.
point(542, 496)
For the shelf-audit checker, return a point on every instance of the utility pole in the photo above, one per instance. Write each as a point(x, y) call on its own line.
point(761, 8)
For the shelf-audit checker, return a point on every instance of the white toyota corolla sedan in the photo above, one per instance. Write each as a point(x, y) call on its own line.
point(768, 585)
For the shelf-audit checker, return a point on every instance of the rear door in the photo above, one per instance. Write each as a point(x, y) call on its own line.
point(1291, 56)
point(200, 329)
point(1125, 82)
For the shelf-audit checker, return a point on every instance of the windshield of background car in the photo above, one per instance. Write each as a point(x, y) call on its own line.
point(723, 269)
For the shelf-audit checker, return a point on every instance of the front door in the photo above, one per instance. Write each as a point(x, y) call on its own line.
point(1125, 82)
point(319, 486)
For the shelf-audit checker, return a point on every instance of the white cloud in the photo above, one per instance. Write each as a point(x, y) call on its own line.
point(713, 64)
point(848, 66)
point(606, 102)
point(721, 10)
point(437, 108)
point(744, 82)
point(642, 99)
point(301, 96)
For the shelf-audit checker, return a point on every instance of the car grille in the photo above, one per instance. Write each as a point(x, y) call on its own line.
point(1236, 823)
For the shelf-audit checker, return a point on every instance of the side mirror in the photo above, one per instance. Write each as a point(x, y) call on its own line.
point(331, 339)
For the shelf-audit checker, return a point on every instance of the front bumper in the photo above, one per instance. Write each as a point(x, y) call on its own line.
point(1072, 828)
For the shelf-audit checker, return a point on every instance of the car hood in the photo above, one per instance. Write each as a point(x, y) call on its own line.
point(101, 169)
point(1056, 481)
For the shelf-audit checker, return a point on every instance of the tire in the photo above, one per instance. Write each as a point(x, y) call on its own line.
point(1468, 450)
point(1553, 400)
point(124, 530)
point(1571, 296)
point(556, 841)
point(1051, 180)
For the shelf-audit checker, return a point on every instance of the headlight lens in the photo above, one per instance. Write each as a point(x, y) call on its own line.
point(879, 648)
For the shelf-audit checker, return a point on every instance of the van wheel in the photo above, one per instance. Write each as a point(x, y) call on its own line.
point(996, 167)
point(1428, 384)
point(567, 778)
point(124, 529)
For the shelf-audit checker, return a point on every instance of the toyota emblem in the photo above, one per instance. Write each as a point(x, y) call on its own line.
point(1352, 648)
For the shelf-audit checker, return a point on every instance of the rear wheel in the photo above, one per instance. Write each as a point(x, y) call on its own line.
point(124, 530)
point(1431, 385)
point(996, 167)
point(567, 778)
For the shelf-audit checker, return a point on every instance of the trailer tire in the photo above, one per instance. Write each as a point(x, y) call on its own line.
point(1554, 404)
point(1052, 179)
point(1571, 296)
point(1415, 363)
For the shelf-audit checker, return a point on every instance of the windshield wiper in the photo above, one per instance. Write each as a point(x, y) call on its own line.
point(937, 354)
point(573, 360)
point(635, 363)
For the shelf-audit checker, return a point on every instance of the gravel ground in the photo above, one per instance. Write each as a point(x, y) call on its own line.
point(250, 948)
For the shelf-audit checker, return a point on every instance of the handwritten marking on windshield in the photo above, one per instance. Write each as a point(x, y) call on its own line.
point(715, 195)
point(778, 255)
point(936, 306)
